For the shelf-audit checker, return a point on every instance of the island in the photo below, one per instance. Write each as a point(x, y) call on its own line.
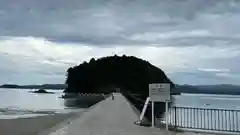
point(126, 74)
point(42, 86)
point(42, 91)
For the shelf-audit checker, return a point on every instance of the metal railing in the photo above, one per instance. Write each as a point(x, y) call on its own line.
point(225, 120)
point(205, 119)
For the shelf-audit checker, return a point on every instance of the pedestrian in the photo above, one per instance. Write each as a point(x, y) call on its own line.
point(112, 96)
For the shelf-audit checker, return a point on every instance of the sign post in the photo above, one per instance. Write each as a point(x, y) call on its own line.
point(159, 92)
point(166, 115)
point(153, 118)
point(144, 109)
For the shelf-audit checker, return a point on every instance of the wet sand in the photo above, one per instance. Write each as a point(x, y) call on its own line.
point(32, 125)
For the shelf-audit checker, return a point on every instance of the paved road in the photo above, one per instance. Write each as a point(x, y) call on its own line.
point(109, 117)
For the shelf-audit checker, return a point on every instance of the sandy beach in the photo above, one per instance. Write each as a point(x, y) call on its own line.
point(33, 125)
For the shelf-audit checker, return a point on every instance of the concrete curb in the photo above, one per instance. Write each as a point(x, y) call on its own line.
point(68, 121)
point(136, 111)
point(62, 124)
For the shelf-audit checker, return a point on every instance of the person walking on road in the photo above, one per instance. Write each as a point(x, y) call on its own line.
point(112, 96)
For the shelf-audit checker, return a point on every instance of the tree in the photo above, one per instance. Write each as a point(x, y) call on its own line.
point(132, 75)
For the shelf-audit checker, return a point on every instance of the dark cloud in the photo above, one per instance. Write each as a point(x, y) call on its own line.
point(106, 22)
point(194, 40)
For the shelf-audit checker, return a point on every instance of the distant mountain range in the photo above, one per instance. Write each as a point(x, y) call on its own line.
point(199, 89)
point(43, 86)
point(209, 89)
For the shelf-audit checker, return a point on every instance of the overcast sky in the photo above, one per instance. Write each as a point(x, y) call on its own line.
point(193, 41)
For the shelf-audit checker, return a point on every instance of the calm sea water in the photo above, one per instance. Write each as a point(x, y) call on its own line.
point(208, 101)
point(15, 103)
point(217, 112)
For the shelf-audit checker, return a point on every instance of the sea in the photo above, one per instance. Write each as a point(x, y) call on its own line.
point(212, 101)
point(17, 103)
point(205, 112)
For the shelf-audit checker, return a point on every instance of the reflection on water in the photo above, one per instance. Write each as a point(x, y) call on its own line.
point(82, 102)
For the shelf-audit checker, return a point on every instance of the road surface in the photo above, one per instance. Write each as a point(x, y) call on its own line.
point(110, 117)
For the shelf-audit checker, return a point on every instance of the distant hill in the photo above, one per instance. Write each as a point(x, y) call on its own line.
point(209, 89)
point(44, 86)
point(104, 74)
point(194, 89)
point(128, 74)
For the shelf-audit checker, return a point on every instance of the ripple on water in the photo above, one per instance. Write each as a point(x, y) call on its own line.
point(8, 113)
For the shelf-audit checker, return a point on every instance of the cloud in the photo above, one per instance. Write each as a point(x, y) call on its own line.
point(171, 23)
point(39, 60)
point(192, 41)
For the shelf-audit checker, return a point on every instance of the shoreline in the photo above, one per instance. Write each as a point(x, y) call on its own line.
point(34, 125)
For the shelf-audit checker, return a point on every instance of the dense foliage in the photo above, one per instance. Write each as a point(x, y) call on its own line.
point(104, 74)
point(132, 75)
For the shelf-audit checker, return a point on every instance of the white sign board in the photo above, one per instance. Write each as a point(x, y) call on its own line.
point(159, 92)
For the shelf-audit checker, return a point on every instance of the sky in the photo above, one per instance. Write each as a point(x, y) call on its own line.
point(192, 41)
